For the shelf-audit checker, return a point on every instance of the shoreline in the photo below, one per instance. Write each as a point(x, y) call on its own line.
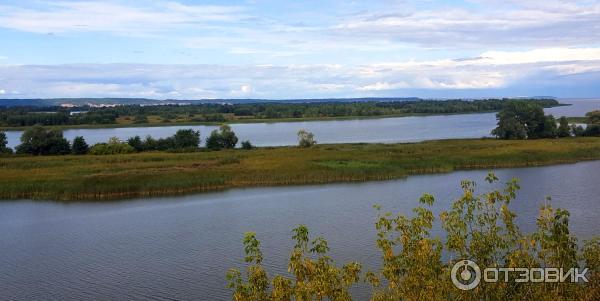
point(238, 121)
point(155, 174)
point(249, 121)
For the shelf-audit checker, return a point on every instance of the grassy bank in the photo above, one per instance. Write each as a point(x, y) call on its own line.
point(90, 177)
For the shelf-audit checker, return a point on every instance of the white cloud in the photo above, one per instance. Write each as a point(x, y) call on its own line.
point(2, 91)
point(541, 55)
point(500, 23)
point(379, 86)
point(489, 71)
point(97, 16)
point(246, 29)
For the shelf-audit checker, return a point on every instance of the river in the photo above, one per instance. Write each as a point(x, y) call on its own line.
point(381, 130)
point(180, 248)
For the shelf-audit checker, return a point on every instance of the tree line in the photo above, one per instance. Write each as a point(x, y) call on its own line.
point(53, 116)
point(526, 120)
point(39, 140)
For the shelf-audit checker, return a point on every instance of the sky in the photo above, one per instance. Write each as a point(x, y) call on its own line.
point(299, 49)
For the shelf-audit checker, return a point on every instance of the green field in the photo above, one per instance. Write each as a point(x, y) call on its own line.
point(88, 177)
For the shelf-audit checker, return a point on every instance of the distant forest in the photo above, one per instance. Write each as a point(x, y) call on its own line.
point(139, 114)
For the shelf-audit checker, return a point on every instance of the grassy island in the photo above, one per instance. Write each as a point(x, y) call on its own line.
point(90, 177)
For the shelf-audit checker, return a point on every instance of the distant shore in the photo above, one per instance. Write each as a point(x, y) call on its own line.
point(243, 121)
point(131, 117)
point(96, 178)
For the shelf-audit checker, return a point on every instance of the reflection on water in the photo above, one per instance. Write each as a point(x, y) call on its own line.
point(181, 247)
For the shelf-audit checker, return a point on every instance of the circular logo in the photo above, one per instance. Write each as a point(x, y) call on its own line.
point(466, 275)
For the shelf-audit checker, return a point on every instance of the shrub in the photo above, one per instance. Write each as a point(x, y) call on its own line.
point(247, 145)
point(306, 139)
point(114, 146)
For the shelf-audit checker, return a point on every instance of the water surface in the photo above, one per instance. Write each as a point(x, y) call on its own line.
point(180, 248)
point(383, 130)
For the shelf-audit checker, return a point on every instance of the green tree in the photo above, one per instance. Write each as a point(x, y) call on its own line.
point(509, 127)
point(186, 139)
point(563, 128)
point(80, 147)
point(213, 141)
point(150, 144)
point(222, 138)
point(306, 139)
point(136, 143)
point(228, 137)
point(40, 141)
point(524, 120)
point(548, 128)
point(3, 142)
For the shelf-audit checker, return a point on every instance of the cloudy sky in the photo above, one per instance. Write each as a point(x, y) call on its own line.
point(299, 49)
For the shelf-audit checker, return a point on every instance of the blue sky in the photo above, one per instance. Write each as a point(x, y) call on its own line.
point(299, 49)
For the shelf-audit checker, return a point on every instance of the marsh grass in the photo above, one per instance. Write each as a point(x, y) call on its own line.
point(68, 178)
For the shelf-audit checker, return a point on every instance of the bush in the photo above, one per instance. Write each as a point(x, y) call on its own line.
point(306, 139)
point(247, 145)
point(80, 147)
point(182, 140)
point(114, 146)
point(40, 141)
